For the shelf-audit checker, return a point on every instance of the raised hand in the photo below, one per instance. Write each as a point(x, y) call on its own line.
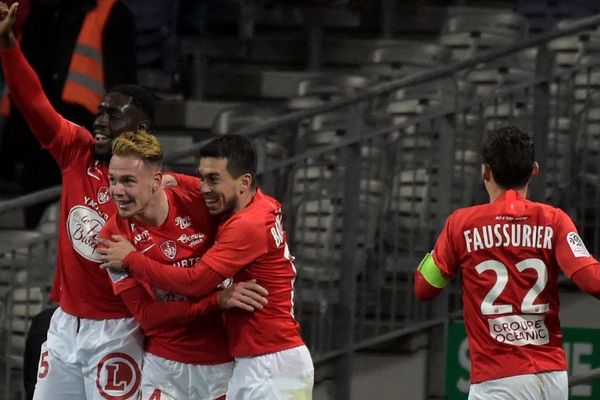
point(249, 296)
point(8, 16)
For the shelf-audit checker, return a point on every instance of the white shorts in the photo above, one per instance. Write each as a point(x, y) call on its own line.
point(552, 385)
point(172, 380)
point(287, 374)
point(90, 359)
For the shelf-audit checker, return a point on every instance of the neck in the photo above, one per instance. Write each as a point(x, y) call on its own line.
point(496, 191)
point(156, 212)
point(243, 201)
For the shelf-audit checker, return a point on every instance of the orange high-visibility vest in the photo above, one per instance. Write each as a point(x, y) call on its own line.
point(85, 80)
point(84, 84)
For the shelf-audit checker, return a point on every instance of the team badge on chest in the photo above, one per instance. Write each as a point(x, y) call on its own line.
point(169, 249)
point(103, 195)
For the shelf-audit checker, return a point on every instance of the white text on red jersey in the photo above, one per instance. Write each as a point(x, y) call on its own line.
point(504, 235)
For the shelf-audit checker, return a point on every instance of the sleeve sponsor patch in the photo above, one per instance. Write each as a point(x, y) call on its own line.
point(577, 246)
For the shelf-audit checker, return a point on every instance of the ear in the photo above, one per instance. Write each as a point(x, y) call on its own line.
point(535, 170)
point(245, 183)
point(486, 172)
point(157, 182)
point(144, 125)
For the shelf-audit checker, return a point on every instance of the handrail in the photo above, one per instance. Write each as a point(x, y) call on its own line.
point(30, 199)
point(584, 378)
point(377, 90)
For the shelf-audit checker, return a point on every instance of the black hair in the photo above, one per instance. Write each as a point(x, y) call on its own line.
point(141, 97)
point(510, 154)
point(237, 150)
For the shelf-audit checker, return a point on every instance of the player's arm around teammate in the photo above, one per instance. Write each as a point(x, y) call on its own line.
point(272, 361)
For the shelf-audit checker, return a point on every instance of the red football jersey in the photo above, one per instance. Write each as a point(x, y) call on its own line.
point(510, 253)
point(252, 244)
point(180, 240)
point(84, 290)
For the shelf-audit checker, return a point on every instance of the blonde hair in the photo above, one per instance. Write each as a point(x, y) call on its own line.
point(140, 144)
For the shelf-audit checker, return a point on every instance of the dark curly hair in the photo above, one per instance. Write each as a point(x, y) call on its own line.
point(510, 154)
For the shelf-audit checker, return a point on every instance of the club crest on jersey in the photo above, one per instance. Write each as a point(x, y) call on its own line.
point(183, 222)
point(169, 249)
point(103, 195)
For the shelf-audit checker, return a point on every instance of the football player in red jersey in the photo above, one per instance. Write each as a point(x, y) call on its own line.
point(94, 346)
point(186, 357)
point(271, 360)
point(510, 253)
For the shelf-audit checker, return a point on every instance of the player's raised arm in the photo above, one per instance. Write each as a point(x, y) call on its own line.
point(24, 85)
point(8, 16)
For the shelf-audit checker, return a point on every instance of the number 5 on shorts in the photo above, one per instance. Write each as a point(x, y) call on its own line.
point(44, 366)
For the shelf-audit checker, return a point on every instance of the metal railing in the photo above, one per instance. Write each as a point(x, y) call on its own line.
point(366, 182)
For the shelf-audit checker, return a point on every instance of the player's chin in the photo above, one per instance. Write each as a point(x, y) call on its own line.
point(102, 151)
point(125, 212)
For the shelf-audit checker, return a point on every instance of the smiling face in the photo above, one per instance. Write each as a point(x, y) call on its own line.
point(221, 190)
point(133, 183)
point(116, 114)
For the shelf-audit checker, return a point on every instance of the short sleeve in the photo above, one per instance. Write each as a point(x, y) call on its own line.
point(444, 252)
point(571, 253)
point(238, 244)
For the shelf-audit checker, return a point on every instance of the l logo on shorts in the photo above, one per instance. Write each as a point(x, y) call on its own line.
point(118, 377)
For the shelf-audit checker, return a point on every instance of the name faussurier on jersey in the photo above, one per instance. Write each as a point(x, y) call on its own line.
point(504, 235)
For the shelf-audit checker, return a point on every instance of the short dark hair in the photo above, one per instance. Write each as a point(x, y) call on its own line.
point(237, 150)
point(141, 97)
point(510, 154)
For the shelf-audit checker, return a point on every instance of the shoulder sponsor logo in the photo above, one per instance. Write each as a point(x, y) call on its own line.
point(103, 195)
point(83, 225)
point(183, 222)
point(169, 249)
point(192, 240)
point(577, 246)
